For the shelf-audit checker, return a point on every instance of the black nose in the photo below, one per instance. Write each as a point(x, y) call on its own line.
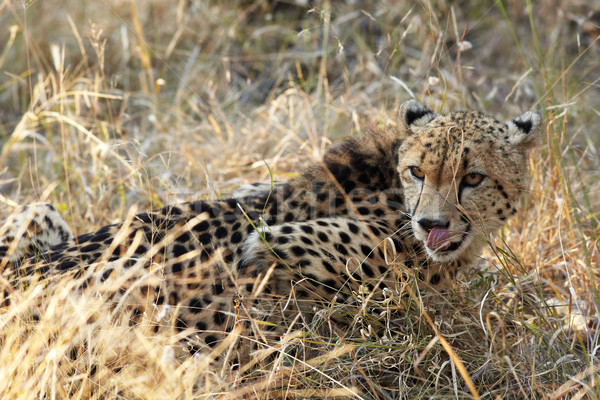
point(429, 224)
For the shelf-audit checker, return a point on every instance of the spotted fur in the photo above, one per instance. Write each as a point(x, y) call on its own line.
point(352, 224)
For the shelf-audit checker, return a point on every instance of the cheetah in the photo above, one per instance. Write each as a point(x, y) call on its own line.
point(423, 195)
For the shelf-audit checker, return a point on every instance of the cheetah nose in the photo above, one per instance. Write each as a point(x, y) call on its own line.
point(429, 224)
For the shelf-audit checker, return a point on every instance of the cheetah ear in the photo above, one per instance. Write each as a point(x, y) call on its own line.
point(414, 114)
point(525, 129)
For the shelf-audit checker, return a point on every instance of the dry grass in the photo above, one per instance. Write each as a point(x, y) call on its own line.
point(104, 105)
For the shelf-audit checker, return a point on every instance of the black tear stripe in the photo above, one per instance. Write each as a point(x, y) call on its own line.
point(412, 115)
point(525, 126)
point(418, 200)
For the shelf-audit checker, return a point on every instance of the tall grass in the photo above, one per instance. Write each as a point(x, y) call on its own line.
point(106, 105)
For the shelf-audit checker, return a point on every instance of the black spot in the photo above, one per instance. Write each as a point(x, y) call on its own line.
point(287, 229)
point(329, 267)
point(205, 238)
point(323, 237)
point(328, 255)
point(363, 210)
point(201, 326)
point(176, 268)
point(179, 250)
point(66, 265)
point(353, 228)
point(84, 238)
point(306, 240)
point(145, 218)
point(229, 217)
point(195, 306)
point(368, 270)
point(105, 275)
point(344, 237)
point(298, 251)
point(180, 324)
point(341, 249)
point(219, 318)
point(218, 287)
point(183, 238)
point(366, 250)
point(236, 237)
point(90, 247)
point(211, 340)
point(101, 237)
point(268, 236)
point(201, 227)
point(435, 279)
point(221, 232)
point(307, 229)
point(141, 249)
point(175, 211)
point(312, 252)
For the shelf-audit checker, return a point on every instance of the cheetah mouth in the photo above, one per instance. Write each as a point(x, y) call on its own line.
point(439, 241)
point(450, 247)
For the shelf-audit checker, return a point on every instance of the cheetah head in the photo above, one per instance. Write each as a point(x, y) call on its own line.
point(462, 175)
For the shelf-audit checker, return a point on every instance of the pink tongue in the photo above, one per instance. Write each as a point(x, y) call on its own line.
point(436, 239)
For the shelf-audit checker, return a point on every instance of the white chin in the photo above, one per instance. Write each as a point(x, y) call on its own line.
point(442, 257)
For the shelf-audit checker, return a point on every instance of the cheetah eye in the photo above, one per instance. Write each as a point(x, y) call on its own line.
point(473, 179)
point(416, 173)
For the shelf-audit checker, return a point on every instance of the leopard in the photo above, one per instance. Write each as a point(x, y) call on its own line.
point(419, 197)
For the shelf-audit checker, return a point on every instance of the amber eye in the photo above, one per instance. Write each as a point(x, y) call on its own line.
point(473, 179)
point(417, 173)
